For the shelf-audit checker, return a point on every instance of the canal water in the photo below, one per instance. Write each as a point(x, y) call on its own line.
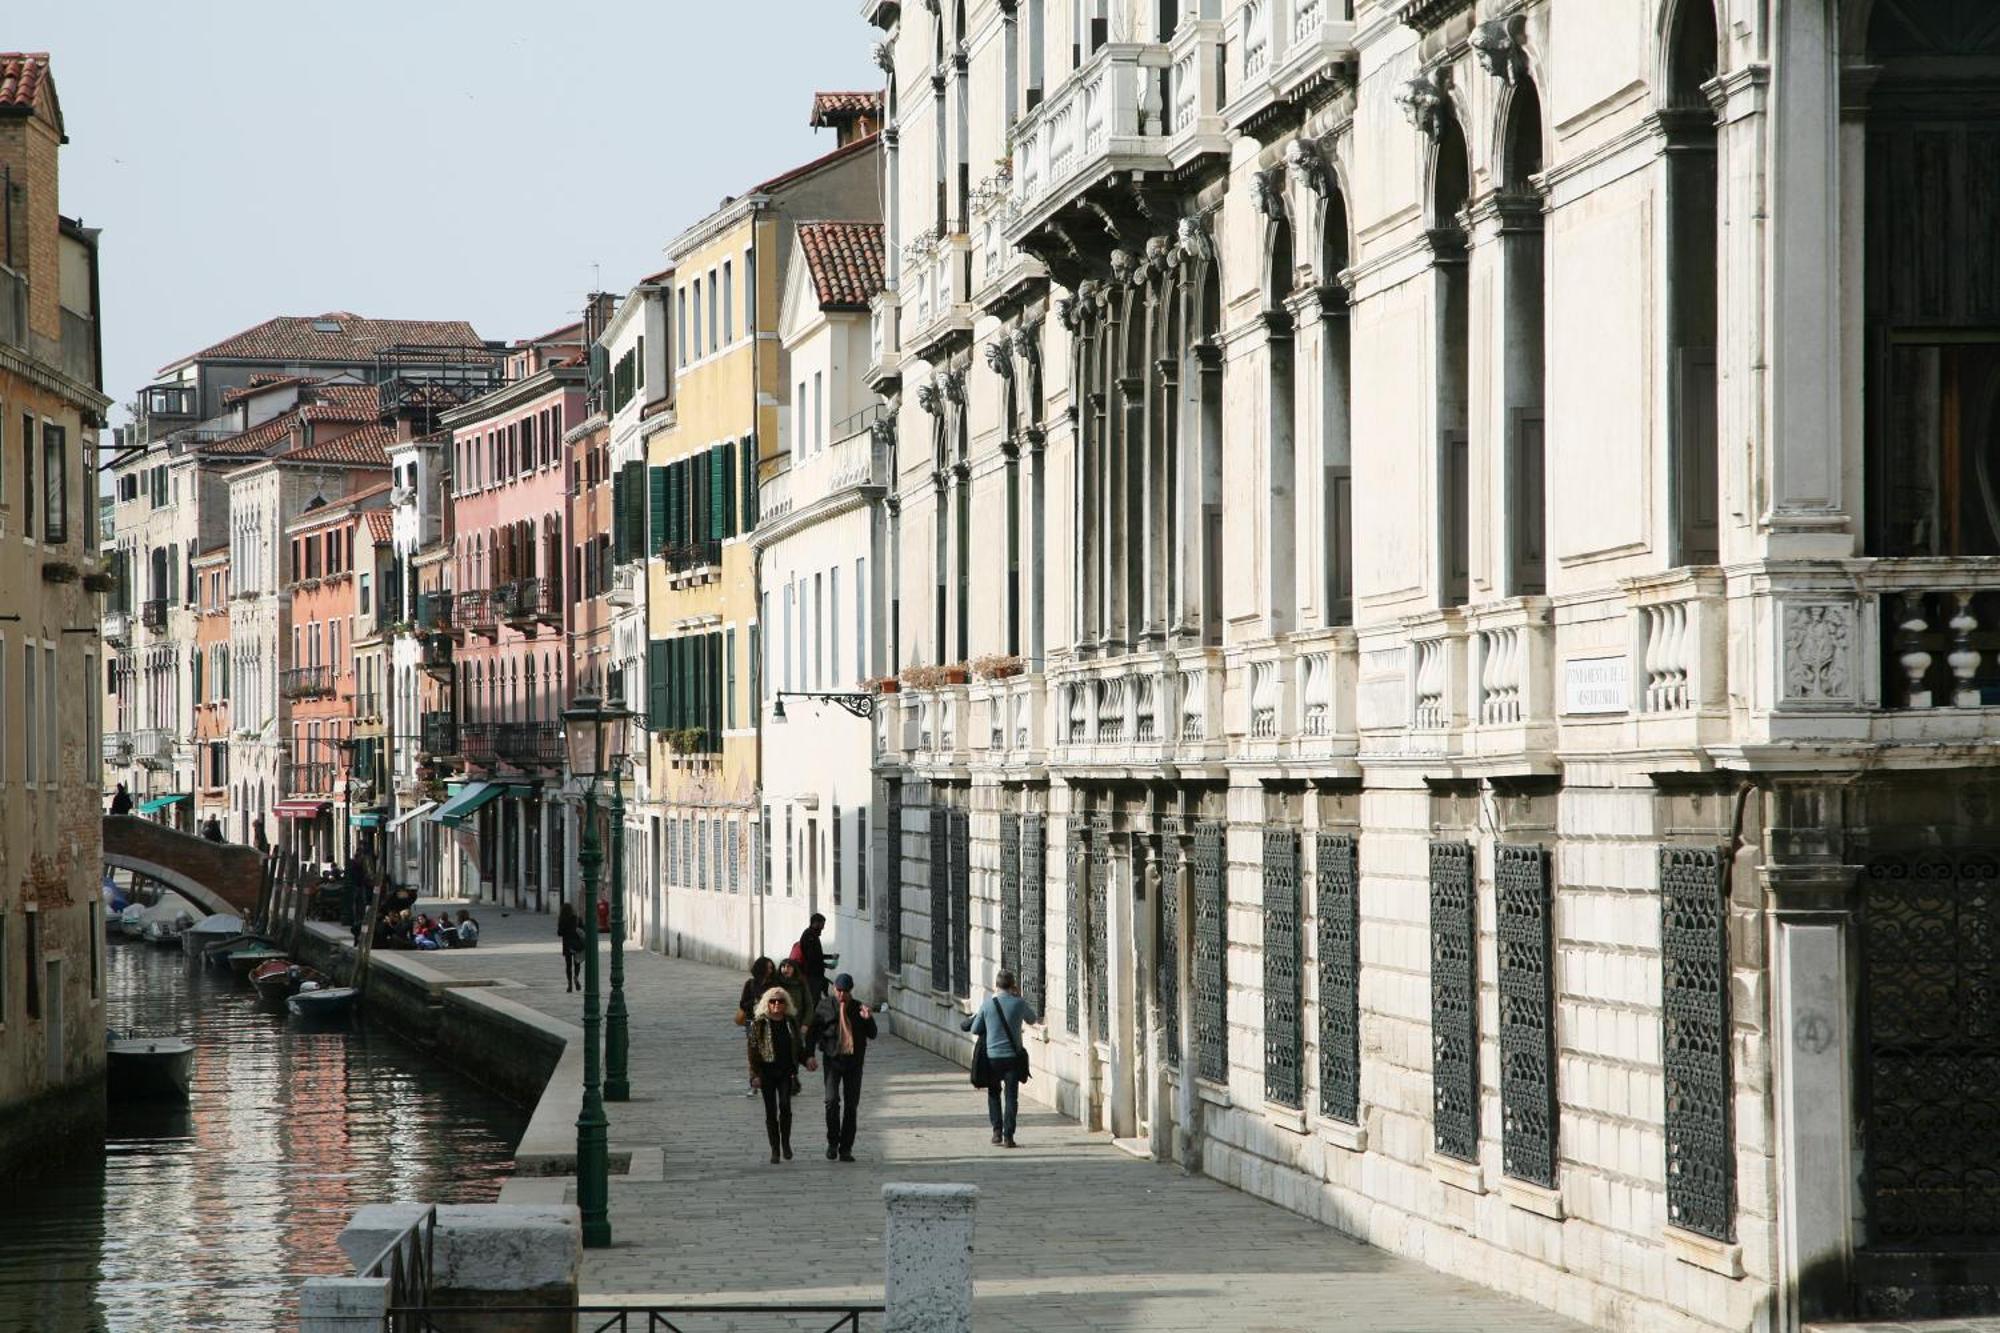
point(212, 1215)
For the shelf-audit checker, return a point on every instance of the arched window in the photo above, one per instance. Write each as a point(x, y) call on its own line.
point(1451, 180)
point(1688, 121)
point(1524, 356)
point(1336, 415)
point(1281, 424)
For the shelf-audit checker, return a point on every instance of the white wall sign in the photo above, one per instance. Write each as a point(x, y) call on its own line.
point(1594, 685)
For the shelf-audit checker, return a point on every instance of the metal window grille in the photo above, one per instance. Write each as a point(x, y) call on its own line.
point(715, 855)
point(1099, 913)
point(1283, 1083)
point(940, 905)
point(1170, 939)
point(893, 864)
point(1527, 1031)
point(1010, 891)
point(1339, 923)
point(1694, 959)
point(1034, 913)
point(1454, 1003)
point(1211, 950)
point(687, 853)
point(861, 850)
point(701, 854)
point(764, 852)
point(673, 852)
point(1079, 868)
point(735, 857)
point(836, 856)
point(961, 903)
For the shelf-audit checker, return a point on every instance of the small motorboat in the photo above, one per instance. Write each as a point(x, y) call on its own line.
point(147, 1068)
point(210, 930)
point(279, 978)
point(217, 954)
point(131, 920)
point(242, 960)
point(322, 1004)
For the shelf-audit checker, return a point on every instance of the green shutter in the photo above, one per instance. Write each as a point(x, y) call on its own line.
point(618, 514)
point(728, 452)
point(635, 508)
point(657, 529)
point(715, 523)
point(656, 684)
point(749, 483)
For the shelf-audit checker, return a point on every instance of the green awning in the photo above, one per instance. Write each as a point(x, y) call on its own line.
point(367, 819)
point(466, 801)
point(162, 802)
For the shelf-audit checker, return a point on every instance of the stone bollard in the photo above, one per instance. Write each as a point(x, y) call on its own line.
point(929, 1246)
point(343, 1305)
point(500, 1254)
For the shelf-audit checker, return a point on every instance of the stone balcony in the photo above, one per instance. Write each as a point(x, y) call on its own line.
point(1283, 48)
point(885, 341)
point(854, 461)
point(1108, 116)
point(937, 300)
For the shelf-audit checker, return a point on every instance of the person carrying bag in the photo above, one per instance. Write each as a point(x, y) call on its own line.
point(999, 1056)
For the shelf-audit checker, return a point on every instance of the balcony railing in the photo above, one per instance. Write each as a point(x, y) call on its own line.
point(153, 747)
point(117, 628)
point(525, 604)
point(1280, 46)
point(472, 610)
point(117, 747)
point(311, 777)
point(153, 615)
point(437, 657)
point(476, 743)
point(530, 744)
point(433, 613)
point(306, 682)
point(439, 735)
point(685, 556)
point(1194, 92)
point(854, 459)
point(1105, 117)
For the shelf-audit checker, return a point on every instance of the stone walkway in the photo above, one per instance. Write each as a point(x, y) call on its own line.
point(1072, 1233)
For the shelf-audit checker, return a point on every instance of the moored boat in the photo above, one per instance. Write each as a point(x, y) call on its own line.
point(148, 1068)
point(210, 930)
point(322, 1004)
point(279, 978)
point(242, 960)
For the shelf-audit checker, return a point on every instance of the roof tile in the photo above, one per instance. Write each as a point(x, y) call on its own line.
point(22, 74)
point(335, 336)
point(835, 108)
point(844, 260)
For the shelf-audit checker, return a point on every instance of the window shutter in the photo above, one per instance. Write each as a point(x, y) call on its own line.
point(715, 523)
point(656, 683)
point(618, 536)
point(635, 509)
point(657, 529)
point(728, 453)
point(749, 483)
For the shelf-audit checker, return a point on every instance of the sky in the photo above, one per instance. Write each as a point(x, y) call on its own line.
point(488, 160)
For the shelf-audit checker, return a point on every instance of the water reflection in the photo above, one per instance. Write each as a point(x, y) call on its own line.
point(211, 1216)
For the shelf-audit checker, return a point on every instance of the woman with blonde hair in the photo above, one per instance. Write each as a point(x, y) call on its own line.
point(777, 1048)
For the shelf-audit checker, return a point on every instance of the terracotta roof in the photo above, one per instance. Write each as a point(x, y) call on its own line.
point(335, 336)
point(381, 526)
point(263, 383)
point(834, 108)
point(364, 447)
point(844, 260)
point(568, 333)
point(343, 402)
point(258, 439)
point(22, 74)
point(846, 150)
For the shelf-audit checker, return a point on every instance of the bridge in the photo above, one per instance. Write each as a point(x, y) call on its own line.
point(216, 876)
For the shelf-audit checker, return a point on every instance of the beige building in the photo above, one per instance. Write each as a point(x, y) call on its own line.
point(51, 410)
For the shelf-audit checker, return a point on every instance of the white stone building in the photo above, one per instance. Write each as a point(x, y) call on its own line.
point(1488, 496)
point(821, 544)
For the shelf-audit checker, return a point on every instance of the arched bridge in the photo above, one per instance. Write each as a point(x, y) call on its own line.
point(218, 876)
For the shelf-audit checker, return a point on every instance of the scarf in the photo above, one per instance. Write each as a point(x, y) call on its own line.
point(846, 1032)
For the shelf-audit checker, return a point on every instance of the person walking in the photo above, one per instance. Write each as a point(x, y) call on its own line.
point(811, 953)
point(841, 1030)
point(1000, 1021)
point(762, 977)
point(793, 979)
point(776, 1050)
point(569, 929)
point(121, 801)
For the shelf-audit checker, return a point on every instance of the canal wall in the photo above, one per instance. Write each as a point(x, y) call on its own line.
point(470, 1023)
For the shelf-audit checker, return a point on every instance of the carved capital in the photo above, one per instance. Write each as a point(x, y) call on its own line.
point(953, 381)
point(1425, 101)
point(1192, 243)
point(999, 359)
point(1498, 45)
point(1308, 160)
point(1027, 342)
point(929, 397)
point(1267, 192)
point(885, 57)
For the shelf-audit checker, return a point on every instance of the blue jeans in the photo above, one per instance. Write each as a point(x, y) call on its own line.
point(1009, 1080)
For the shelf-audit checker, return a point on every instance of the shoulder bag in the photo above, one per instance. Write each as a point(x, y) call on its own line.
point(1021, 1073)
point(982, 1067)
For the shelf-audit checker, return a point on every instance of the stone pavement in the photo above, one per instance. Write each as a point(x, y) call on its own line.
point(1072, 1233)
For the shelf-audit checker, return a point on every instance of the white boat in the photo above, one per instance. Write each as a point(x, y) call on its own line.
point(322, 1004)
point(210, 930)
point(148, 1068)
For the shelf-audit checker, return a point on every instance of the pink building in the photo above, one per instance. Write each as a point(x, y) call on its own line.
point(508, 570)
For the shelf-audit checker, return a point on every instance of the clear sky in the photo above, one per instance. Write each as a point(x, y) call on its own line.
point(488, 160)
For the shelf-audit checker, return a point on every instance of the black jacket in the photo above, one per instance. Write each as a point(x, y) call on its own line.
point(824, 1036)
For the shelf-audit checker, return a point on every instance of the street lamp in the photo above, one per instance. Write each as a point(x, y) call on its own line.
point(861, 703)
point(617, 1042)
point(590, 734)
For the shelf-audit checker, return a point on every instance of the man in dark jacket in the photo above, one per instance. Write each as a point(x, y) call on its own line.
point(841, 1030)
point(811, 955)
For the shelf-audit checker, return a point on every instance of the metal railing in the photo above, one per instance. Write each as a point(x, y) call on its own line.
point(153, 614)
point(440, 733)
point(405, 1263)
point(437, 655)
point(476, 743)
point(306, 682)
point(473, 610)
point(530, 744)
point(684, 556)
point(423, 1318)
point(433, 612)
point(309, 778)
point(524, 601)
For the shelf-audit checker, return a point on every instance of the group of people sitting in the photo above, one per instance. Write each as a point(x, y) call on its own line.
point(401, 930)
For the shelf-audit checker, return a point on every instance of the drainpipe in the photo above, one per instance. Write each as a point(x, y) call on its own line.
point(757, 923)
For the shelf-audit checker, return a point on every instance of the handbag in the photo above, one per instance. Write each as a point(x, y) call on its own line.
point(741, 1017)
point(1021, 1072)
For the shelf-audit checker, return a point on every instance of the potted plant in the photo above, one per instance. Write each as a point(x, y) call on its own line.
point(923, 677)
point(881, 685)
point(954, 674)
point(996, 666)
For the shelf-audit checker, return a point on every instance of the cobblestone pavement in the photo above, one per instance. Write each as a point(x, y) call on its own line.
point(1072, 1233)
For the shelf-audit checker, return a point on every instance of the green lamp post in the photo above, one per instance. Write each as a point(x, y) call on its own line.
point(591, 734)
point(617, 1041)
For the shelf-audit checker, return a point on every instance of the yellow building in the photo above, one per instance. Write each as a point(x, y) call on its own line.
point(725, 424)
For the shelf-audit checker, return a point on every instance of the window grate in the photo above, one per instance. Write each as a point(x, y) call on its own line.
point(1079, 867)
point(1211, 947)
point(1099, 912)
point(1454, 1003)
point(1283, 1084)
point(1034, 914)
point(1339, 923)
point(1170, 939)
point(961, 903)
point(892, 905)
point(940, 904)
point(1010, 891)
point(1694, 1001)
point(1527, 1032)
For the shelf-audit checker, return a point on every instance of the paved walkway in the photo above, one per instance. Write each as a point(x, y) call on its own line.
point(1072, 1233)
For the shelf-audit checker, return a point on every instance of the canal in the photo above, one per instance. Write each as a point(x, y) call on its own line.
point(211, 1215)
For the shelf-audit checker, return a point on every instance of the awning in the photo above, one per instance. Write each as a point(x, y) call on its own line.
point(161, 802)
point(408, 815)
point(468, 800)
point(301, 809)
point(367, 819)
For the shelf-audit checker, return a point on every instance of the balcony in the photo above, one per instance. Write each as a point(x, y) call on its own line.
point(433, 613)
point(153, 748)
point(937, 293)
point(476, 743)
point(438, 737)
point(117, 629)
point(690, 557)
point(308, 778)
point(1511, 674)
point(472, 611)
point(526, 605)
point(1106, 117)
point(1195, 127)
point(117, 747)
point(624, 590)
point(306, 682)
point(1284, 48)
point(368, 709)
point(153, 615)
point(530, 744)
point(853, 461)
point(436, 659)
point(885, 343)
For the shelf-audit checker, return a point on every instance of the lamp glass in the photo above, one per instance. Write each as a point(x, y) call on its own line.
point(583, 728)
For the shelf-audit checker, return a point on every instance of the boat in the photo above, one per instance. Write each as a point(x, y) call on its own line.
point(132, 920)
point(279, 978)
point(217, 954)
point(210, 930)
point(251, 955)
point(148, 1068)
point(322, 1004)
